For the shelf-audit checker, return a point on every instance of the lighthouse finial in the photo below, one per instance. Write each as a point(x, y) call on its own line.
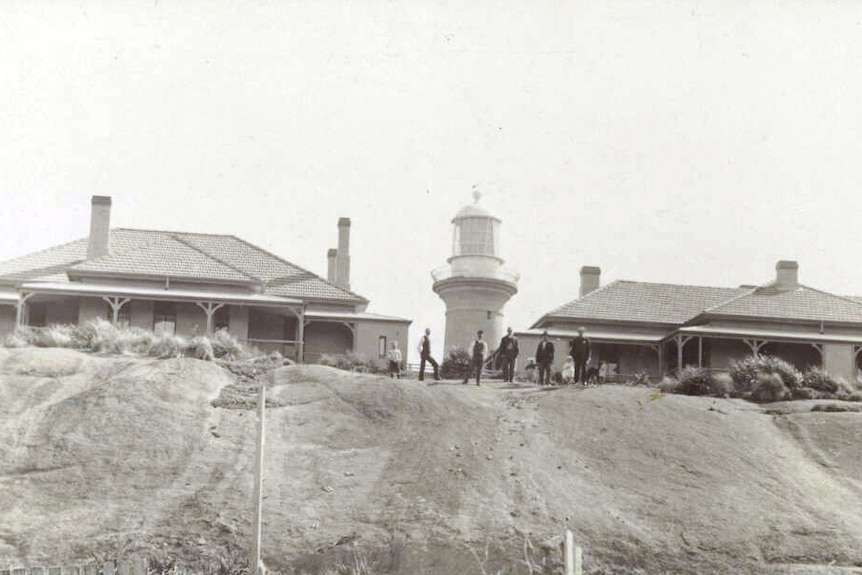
point(476, 193)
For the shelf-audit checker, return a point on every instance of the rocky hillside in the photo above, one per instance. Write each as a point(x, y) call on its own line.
point(111, 456)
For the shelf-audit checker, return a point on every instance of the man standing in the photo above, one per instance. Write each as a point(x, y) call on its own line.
point(425, 355)
point(478, 353)
point(545, 359)
point(508, 352)
point(579, 349)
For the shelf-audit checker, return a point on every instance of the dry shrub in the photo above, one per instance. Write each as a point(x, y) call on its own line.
point(457, 364)
point(18, 338)
point(348, 361)
point(55, 336)
point(668, 384)
point(746, 373)
point(200, 347)
point(694, 381)
point(819, 379)
point(101, 336)
point(770, 387)
point(225, 345)
point(166, 346)
point(721, 385)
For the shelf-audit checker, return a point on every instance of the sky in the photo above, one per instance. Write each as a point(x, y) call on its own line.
point(684, 142)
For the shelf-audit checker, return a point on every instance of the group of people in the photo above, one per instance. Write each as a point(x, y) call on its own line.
point(579, 352)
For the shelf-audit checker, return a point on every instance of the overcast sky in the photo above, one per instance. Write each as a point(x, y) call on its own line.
point(682, 142)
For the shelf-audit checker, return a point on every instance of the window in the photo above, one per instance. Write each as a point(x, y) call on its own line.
point(381, 346)
point(476, 236)
point(124, 317)
point(165, 317)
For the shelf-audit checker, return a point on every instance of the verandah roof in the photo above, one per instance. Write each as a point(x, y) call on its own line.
point(770, 335)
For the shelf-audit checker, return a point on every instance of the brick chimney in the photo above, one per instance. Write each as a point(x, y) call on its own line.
point(100, 227)
point(590, 279)
point(342, 257)
point(786, 275)
point(330, 264)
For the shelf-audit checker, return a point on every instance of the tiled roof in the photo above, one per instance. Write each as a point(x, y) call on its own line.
point(802, 303)
point(44, 261)
point(164, 256)
point(178, 254)
point(645, 302)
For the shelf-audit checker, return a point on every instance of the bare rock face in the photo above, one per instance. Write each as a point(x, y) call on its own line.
point(103, 456)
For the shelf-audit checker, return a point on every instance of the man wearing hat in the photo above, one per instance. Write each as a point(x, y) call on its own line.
point(508, 353)
point(545, 358)
point(579, 349)
point(478, 353)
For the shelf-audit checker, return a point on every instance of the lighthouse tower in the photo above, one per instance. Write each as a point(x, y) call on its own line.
point(474, 284)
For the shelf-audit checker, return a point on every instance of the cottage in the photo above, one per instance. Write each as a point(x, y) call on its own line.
point(658, 328)
point(184, 283)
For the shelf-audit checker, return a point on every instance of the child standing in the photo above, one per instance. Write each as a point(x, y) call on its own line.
point(394, 357)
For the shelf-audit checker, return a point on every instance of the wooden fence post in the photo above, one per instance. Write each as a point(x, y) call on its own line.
point(254, 558)
point(579, 560)
point(574, 556)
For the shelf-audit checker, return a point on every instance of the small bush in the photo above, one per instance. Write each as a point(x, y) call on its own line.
point(456, 364)
point(770, 387)
point(348, 361)
point(819, 379)
point(19, 338)
point(746, 373)
point(694, 381)
point(668, 385)
point(721, 385)
point(165, 346)
point(200, 348)
point(55, 336)
point(640, 378)
point(225, 345)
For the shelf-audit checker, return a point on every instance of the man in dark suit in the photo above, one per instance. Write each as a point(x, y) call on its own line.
point(425, 356)
point(508, 353)
point(579, 349)
point(545, 359)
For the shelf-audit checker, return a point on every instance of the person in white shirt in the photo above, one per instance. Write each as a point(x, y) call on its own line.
point(478, 352)
point(394, 356)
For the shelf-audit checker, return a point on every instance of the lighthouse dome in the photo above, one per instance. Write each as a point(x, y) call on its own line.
point(474, 210)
